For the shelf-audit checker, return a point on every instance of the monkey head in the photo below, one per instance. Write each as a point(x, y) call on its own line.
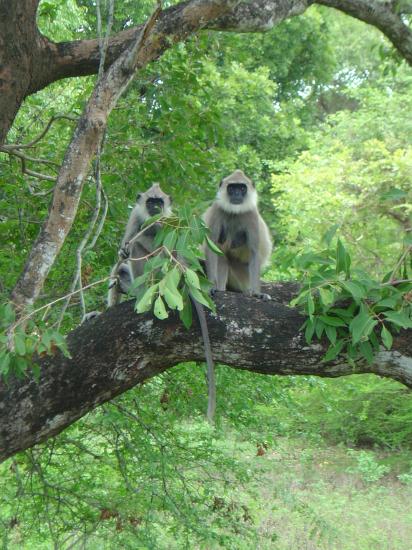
point(154, 201)
point(237, 193)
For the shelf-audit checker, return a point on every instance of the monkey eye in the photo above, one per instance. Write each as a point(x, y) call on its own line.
point(154, 205)
point(237, 189)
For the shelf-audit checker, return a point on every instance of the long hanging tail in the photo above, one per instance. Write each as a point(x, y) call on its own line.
point(122, 279)
point(211, 382)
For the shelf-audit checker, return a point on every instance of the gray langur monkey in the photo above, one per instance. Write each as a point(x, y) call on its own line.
point(151, 202)
point(239, 231)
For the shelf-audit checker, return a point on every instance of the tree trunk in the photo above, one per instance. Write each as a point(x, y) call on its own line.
point(120, 349)
point(19, 38)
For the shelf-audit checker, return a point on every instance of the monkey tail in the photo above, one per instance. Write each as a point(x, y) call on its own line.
point(211, 381)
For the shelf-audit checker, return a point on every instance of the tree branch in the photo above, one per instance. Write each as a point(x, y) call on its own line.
point(382, 15)
point(79, 58)
point(120, 349)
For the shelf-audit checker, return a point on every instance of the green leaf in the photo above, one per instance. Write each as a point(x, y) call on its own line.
point(398, 318)
point(343, 260)
point(20, 365)
point(186, 314)
point(173, 298)
point(355, 289)
point(393, 194)
point(7, 315)
point(213, 246)
point(173, 277)
point(387, 338)
point(333, 321)
point(300, 298)
point(36, 372)
point(5, 362)
point(310, 305)
point(326, 296)
point(319, 328)
point(192, 278)
point(331, 333)
point(366, 351)
point(145, 302)
point(373, 339)
point(309, 331)
point(390, 302)
point(152, 219)
point(60, 342)
point(159, 308)
point(170, 240)
point(343, 313)
point(333, 351)
point(361, 325)
point(19, 343)
point(155, 263)
point(330, 233)
point(201, 298)
point(138, 281)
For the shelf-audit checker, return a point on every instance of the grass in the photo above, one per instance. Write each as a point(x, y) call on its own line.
point(319, 498)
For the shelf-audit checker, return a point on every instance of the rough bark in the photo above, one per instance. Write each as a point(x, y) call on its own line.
point(120, 349)
point(18, 37)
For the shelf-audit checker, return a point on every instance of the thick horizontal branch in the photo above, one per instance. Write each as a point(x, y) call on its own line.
point(120, 349)
point(79, 58)
point(381, 14)
point(82, 57)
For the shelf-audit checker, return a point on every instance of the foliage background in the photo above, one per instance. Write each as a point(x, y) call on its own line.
point(316, 113)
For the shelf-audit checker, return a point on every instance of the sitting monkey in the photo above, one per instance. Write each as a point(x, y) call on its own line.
point(240, 232)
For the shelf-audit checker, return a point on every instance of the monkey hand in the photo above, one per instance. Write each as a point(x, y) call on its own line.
point(124, 252)
point(114, 282)
point(213, 291)
point(89, 316)
point(263, 296)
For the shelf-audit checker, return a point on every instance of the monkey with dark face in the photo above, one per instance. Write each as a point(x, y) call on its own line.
point(240, 232)
point(136, 245)
point(137, 248)
point(238, 229)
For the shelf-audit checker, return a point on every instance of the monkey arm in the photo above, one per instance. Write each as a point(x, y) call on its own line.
point(132, 228)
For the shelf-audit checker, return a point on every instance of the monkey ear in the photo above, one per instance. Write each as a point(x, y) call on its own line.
point(138, 197)
point(221, 183)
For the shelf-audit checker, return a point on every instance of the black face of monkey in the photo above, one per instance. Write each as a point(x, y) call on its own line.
point(154, 205)
point(236, 192)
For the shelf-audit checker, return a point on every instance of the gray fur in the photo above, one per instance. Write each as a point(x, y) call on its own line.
point(135, 250)
point(242, 235)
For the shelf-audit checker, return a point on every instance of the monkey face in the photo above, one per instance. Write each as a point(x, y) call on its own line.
point(154, 205)
point(236, 192)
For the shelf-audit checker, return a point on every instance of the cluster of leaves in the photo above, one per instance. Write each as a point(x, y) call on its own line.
point(20, 342)
point(354, 311)
point(173, 274)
